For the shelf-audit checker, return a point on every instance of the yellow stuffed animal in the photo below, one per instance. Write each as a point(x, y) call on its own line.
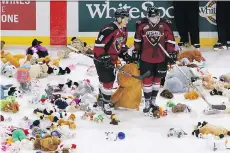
point(129, 92)
point(13, 59)
point(192, 95)
point(205, 129)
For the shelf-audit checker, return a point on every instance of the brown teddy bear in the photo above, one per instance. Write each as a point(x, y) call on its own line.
point(166, 94)
point(191, 55)
point(179, 108)
point(192, 95)
point(37, 145)
point(47, 143)
point(205, 129)
point(208, 81)
point(129, 92)
point(71, 125)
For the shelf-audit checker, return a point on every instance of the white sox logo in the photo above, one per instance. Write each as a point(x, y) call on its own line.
point(153, 37)
point(209, 12)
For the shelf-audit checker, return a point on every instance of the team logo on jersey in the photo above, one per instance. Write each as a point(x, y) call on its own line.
point(118, 43)
point(153, 37)
point(209, 11)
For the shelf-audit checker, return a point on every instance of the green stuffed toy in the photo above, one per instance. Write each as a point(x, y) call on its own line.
point(18, 135)
point(7, 100)
point(170, 104)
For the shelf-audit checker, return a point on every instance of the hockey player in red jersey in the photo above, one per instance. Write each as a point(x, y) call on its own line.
point(149, 32)
point(109, 45)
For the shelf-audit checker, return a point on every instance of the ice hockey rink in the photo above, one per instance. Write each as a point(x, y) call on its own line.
point(143, 134)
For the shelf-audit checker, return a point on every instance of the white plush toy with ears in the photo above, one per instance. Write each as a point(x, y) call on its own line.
point(111, 136)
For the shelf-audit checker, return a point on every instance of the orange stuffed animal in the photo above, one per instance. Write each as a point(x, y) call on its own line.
point(193, 95)
point(129, 92)
point(191, 55)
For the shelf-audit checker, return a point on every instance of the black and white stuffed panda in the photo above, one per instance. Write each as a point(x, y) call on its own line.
point(14, 92)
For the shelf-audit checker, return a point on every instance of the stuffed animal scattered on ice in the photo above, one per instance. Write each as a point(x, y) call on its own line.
point(225, 77)
point(79, 45)
point(191, 55)
point(23, 77)
point(84, 87)
point(3, 89)
point(39, 70)
point(9, 104)
point(12, 59)
point(7, 69)
point(192, 95)
point(47, 143)
point(129, 92)
point(176, 82)
point(205, 128)
point(37, 48)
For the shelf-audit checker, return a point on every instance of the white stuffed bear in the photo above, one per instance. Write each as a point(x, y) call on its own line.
point(8, 69)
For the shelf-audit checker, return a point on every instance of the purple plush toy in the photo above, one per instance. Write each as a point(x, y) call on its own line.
point(37, 48)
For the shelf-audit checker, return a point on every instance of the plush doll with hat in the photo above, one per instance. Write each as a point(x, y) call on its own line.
point(37, 48)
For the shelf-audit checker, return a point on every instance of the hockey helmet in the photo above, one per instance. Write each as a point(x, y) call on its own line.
point(121, 13)
point(152, 11)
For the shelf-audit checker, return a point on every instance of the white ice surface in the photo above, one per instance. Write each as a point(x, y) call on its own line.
point(143, 134)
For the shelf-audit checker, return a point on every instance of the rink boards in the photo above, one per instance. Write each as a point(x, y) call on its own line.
point(55, 23)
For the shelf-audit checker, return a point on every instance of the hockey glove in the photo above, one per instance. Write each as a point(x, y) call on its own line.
point(173, 58)
point(135, 56)
point(105, 60)
point(126, 57)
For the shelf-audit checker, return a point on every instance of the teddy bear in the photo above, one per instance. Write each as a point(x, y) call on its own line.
point(47, 143)
point(37, 48)
point(180, 108)
point(192, 95)
point(191, 55)
point(208, 81)
point(176, 82)
point(166, 94)
point(129, 92)
point(205, 128)
point(71, 124)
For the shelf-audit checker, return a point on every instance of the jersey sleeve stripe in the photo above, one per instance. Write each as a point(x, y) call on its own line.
point(171, 42)
point(99, 45)
point(137, 40)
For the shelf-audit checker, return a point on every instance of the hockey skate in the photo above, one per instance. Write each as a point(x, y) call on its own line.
point(107, 109)
point(149, 108)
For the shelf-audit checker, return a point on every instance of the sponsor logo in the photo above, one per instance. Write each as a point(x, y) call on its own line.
point(106, 11)
point(209, 12)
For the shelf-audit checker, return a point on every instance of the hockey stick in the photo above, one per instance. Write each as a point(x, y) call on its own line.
point(218, 107)
point(140, 77)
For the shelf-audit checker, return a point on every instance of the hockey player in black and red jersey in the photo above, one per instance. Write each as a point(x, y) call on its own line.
point(149, 32)
point(110, 44)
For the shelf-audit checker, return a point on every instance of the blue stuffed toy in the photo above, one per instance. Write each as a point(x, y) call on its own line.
point(6, 87)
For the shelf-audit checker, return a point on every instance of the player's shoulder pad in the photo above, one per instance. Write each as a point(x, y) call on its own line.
point(141, 21)
point(166, 21)
point(109, 28)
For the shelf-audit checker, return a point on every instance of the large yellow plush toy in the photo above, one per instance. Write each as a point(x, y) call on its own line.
point(129, 92)
point(13, 59)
